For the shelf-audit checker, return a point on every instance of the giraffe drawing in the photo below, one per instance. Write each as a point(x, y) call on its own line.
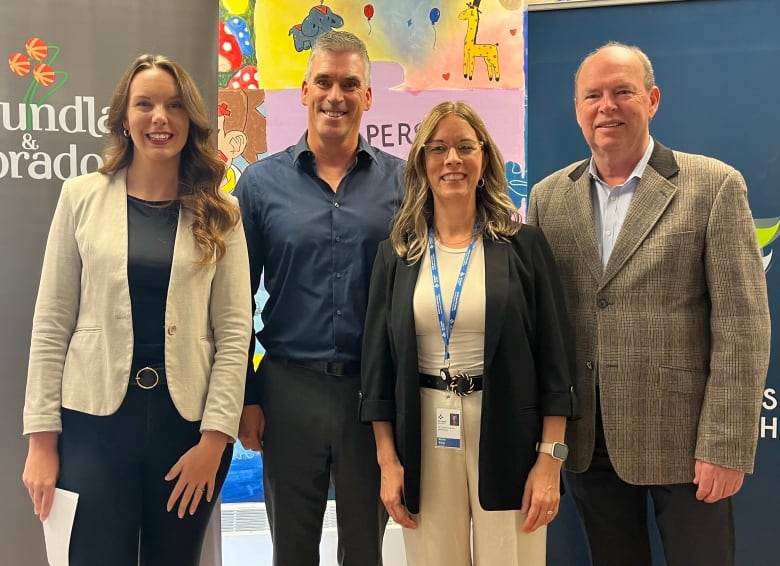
point(472, 49)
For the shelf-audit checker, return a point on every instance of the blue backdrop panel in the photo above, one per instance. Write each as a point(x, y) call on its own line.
point(717, 63)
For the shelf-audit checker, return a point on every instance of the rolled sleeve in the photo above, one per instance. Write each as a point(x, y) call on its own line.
point(377, 397)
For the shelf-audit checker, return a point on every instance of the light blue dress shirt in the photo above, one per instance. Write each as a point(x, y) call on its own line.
point(610, 204)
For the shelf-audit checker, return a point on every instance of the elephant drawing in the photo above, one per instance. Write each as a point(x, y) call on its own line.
point(321, 19)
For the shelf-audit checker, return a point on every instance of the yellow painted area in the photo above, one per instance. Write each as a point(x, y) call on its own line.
point(279, 64)
point(235, 6)
point(282, 67)
point(432, 57)
point(257, 359)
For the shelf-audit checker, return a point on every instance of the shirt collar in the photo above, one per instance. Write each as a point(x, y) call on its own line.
point(364, 150)
point(639, 168)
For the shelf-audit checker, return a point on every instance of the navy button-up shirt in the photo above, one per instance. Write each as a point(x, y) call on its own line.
point(316, 248)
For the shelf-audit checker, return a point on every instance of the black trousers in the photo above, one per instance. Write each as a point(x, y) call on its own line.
point(614, 514)
point(117, 465)
point(313, 432)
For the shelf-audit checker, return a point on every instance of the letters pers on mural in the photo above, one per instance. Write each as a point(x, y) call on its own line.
point(31, 160)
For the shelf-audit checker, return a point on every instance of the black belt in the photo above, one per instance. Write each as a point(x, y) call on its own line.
point(147, 377)
point(461, 384)
point(339, 369)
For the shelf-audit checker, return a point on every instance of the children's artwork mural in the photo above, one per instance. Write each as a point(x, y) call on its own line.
point(319, 20)
point(241, 135)
point(473, 50)
point(240, 131)
point(422, 53)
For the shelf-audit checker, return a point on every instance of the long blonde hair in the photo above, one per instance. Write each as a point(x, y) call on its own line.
point(496, 214)
point(200, 170)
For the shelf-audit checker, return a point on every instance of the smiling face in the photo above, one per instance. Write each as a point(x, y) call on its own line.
point(156, 118)
point(336, 95)
point(453, 174)
point(613, 105)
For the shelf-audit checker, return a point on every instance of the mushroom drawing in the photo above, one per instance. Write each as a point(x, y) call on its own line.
point(239, 28)
point(229, 50)
point(245, 79)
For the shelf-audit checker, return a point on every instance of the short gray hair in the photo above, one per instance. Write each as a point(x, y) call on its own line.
point(647, 66)
point(340, 42)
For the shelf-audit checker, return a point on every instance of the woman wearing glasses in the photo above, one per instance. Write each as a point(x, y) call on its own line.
point(467, 358)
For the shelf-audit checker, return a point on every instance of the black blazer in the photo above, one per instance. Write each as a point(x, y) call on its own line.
point(528, 366)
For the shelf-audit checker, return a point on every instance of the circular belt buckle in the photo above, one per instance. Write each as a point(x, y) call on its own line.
point(462, 384)
point(138, 378)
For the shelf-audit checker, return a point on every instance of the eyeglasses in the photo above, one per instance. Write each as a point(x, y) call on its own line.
point(463, 149)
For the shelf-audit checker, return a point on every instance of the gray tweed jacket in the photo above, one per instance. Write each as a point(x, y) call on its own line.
point(675, 329)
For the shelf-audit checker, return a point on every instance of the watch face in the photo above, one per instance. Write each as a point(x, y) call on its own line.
point(560, 451)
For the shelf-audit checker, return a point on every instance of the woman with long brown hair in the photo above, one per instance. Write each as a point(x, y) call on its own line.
point(138, 355)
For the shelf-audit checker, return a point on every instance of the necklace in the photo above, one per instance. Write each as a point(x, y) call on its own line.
point(453, 243)
point(152, 203)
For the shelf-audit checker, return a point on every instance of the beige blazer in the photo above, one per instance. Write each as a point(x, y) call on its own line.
point(675, 329)
point(82, 336)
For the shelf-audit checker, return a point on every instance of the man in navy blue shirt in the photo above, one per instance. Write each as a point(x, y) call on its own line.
point(314, 215)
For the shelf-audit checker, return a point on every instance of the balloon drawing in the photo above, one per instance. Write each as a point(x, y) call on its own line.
point(434, 16)
point(368, 12)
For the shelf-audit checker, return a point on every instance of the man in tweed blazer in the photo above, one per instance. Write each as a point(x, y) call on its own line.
point(666, 290)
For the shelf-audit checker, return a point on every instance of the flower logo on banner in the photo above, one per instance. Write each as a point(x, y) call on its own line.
point(38, 59)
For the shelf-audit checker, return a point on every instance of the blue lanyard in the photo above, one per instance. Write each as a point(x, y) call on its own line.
point(446, 328)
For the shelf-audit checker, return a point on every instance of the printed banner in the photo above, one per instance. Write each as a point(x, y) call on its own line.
point(62, 62)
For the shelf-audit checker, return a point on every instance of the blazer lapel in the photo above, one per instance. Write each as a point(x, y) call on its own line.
point(114, 218)
point(579, 206)
point(652, 197)
point(496, 289)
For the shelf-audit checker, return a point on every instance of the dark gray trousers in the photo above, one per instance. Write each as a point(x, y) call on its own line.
point(312, 433)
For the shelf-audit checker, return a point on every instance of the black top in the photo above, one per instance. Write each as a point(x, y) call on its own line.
point(151, 235)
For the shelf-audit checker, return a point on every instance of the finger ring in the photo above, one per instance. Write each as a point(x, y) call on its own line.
point(203, 490)
point(549, 512)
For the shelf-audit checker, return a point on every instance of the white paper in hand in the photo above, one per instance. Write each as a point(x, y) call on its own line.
point(58, 526)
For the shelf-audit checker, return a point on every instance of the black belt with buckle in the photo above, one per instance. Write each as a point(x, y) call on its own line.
point(148, 377)
point(462, 384)
point(339, 369)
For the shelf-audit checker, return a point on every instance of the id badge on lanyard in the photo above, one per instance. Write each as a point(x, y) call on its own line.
point(448, 428)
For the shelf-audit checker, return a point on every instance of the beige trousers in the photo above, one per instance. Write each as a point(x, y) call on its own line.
point(452, 528)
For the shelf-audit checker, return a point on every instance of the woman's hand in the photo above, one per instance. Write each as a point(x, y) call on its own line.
point(41, 470)
point(542, 494)
point(392, 491)
point(196, 471)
